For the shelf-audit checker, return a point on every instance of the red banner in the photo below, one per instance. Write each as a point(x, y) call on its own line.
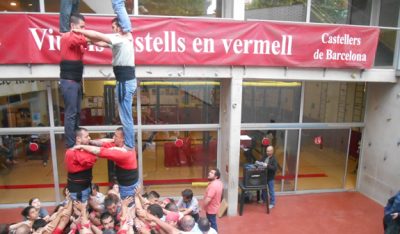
point(34, 38)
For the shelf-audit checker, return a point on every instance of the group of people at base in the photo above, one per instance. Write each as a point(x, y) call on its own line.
point(83, 209)
point(111, 213)
point(80, 156)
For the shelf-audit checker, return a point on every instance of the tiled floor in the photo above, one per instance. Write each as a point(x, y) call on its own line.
point(335, 213)
point(327, 213)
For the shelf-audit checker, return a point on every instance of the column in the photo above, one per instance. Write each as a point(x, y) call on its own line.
point(230, 119)
point(233, 9)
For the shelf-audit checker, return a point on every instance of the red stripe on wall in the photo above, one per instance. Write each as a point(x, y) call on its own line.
point(151, 182)
point(38, 186)
point(177, 181)
point(291, 177)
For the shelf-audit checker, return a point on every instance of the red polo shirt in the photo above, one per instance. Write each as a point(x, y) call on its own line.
point(125, 159)
point(73, 46)
point(214, 192)
point(78, 160)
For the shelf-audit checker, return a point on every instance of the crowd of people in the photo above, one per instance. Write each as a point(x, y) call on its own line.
point(125, 208)
point(111, 213)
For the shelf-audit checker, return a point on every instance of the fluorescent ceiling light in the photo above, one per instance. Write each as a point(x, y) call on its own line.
point(202, 83)
point(13, 3)
point(179, 83)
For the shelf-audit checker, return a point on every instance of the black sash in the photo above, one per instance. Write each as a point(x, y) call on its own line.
point(71, 70)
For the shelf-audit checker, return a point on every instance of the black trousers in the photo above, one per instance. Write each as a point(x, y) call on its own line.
point(391, 226)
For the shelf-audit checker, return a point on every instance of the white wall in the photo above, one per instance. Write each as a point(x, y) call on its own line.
point(379, 175)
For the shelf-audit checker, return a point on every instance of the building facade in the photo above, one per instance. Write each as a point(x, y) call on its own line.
point(330, 126)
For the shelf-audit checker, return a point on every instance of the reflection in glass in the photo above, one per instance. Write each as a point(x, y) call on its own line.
point(25, 168)
point(179, 102)
point(276, 10)
point(386, 47)
point(271, 101)
point(167, 161)
point(357, 12)
point(290, 161)
point(23, 104)
point(333, 12)
point(360, 12)
point(84, 6)
point(98, 106)
point(353, 159)
point(334, 102)
point(389, 13)
point(322, 159)
point(19, 6)
point(209, 8)
point(253, 149)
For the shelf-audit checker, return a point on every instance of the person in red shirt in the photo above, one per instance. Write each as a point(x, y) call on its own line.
point(79, 164)
point(73, 46)
point(213, 197)
point(125, 160)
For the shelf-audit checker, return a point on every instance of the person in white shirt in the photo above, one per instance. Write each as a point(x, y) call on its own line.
point(188, 204)
point(98, 196)
point(205, 227)
point(188, 225)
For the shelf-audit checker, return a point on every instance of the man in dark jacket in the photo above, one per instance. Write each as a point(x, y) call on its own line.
point(269, 161)
point(391, 219)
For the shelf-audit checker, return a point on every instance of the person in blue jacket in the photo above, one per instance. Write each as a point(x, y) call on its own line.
point(391, 219)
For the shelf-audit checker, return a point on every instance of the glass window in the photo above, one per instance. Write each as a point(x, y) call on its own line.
point(353, 159)
point(341, 11)
point(167, 163)
point(20, 6)
point(25, 168)
point(84, 6)
point(389, 13)
point(276, 10)
point(322, 159)
point(23, 103)
point(386, 47)
point(179, 102)
point(208, 8)
point(334, 102)
point(98, 106)
point(271, 101)
point(285, 144)
point(290, 160)
point(360, 12)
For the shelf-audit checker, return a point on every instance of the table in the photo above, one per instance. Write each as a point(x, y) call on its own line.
point(258, 188)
